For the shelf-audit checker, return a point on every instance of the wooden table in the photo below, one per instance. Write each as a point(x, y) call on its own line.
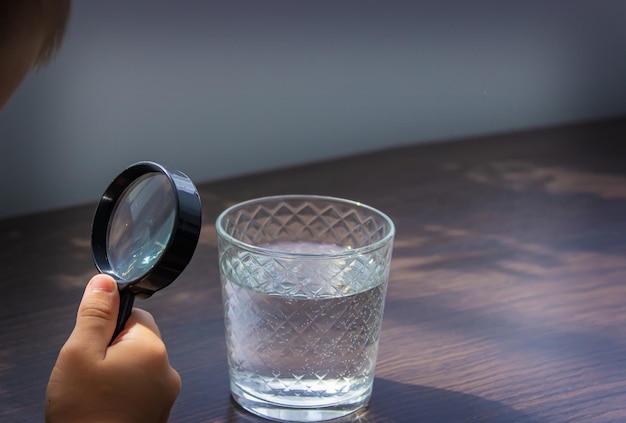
point(506, 302)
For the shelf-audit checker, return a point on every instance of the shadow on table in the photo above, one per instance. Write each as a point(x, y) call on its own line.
point(395, 402)
point(400, 402)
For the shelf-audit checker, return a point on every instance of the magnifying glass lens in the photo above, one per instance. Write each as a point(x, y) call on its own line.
point(141, 225)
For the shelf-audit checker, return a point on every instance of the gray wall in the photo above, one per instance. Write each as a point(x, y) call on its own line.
point(224, 88)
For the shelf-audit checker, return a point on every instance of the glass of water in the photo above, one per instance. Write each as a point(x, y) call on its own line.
point(304, 280)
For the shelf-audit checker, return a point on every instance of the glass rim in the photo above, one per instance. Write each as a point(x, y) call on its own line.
point(327, 255)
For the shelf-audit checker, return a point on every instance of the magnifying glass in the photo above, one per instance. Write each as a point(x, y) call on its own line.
point(145, 230)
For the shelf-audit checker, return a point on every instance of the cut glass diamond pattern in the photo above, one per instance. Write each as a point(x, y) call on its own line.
point(302, 323)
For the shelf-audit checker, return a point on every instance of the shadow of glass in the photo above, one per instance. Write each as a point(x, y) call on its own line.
point(395, 402)
point(399, 402)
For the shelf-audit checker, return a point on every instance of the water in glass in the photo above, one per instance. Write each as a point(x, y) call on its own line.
point(303, 333)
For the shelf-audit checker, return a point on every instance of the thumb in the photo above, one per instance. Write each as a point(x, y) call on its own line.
point(97, 315)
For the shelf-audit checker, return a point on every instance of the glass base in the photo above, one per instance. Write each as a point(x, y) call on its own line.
point(287, 413)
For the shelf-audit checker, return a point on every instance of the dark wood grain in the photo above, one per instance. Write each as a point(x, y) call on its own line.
point(507, 295)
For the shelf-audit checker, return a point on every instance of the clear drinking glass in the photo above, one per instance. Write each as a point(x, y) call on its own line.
point(304, 280)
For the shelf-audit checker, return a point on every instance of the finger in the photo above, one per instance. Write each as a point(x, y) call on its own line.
point(141, 320)
point(142, 329)
point(97, 315)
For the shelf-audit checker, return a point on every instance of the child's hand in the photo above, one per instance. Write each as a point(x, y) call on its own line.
point(129, 381)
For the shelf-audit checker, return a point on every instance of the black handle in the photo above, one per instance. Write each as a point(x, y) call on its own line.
point(126, 307)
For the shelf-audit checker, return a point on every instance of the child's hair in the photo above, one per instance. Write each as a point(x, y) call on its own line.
point(50, 17)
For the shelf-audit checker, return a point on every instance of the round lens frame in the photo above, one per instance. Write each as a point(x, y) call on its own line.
point(177, 247)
